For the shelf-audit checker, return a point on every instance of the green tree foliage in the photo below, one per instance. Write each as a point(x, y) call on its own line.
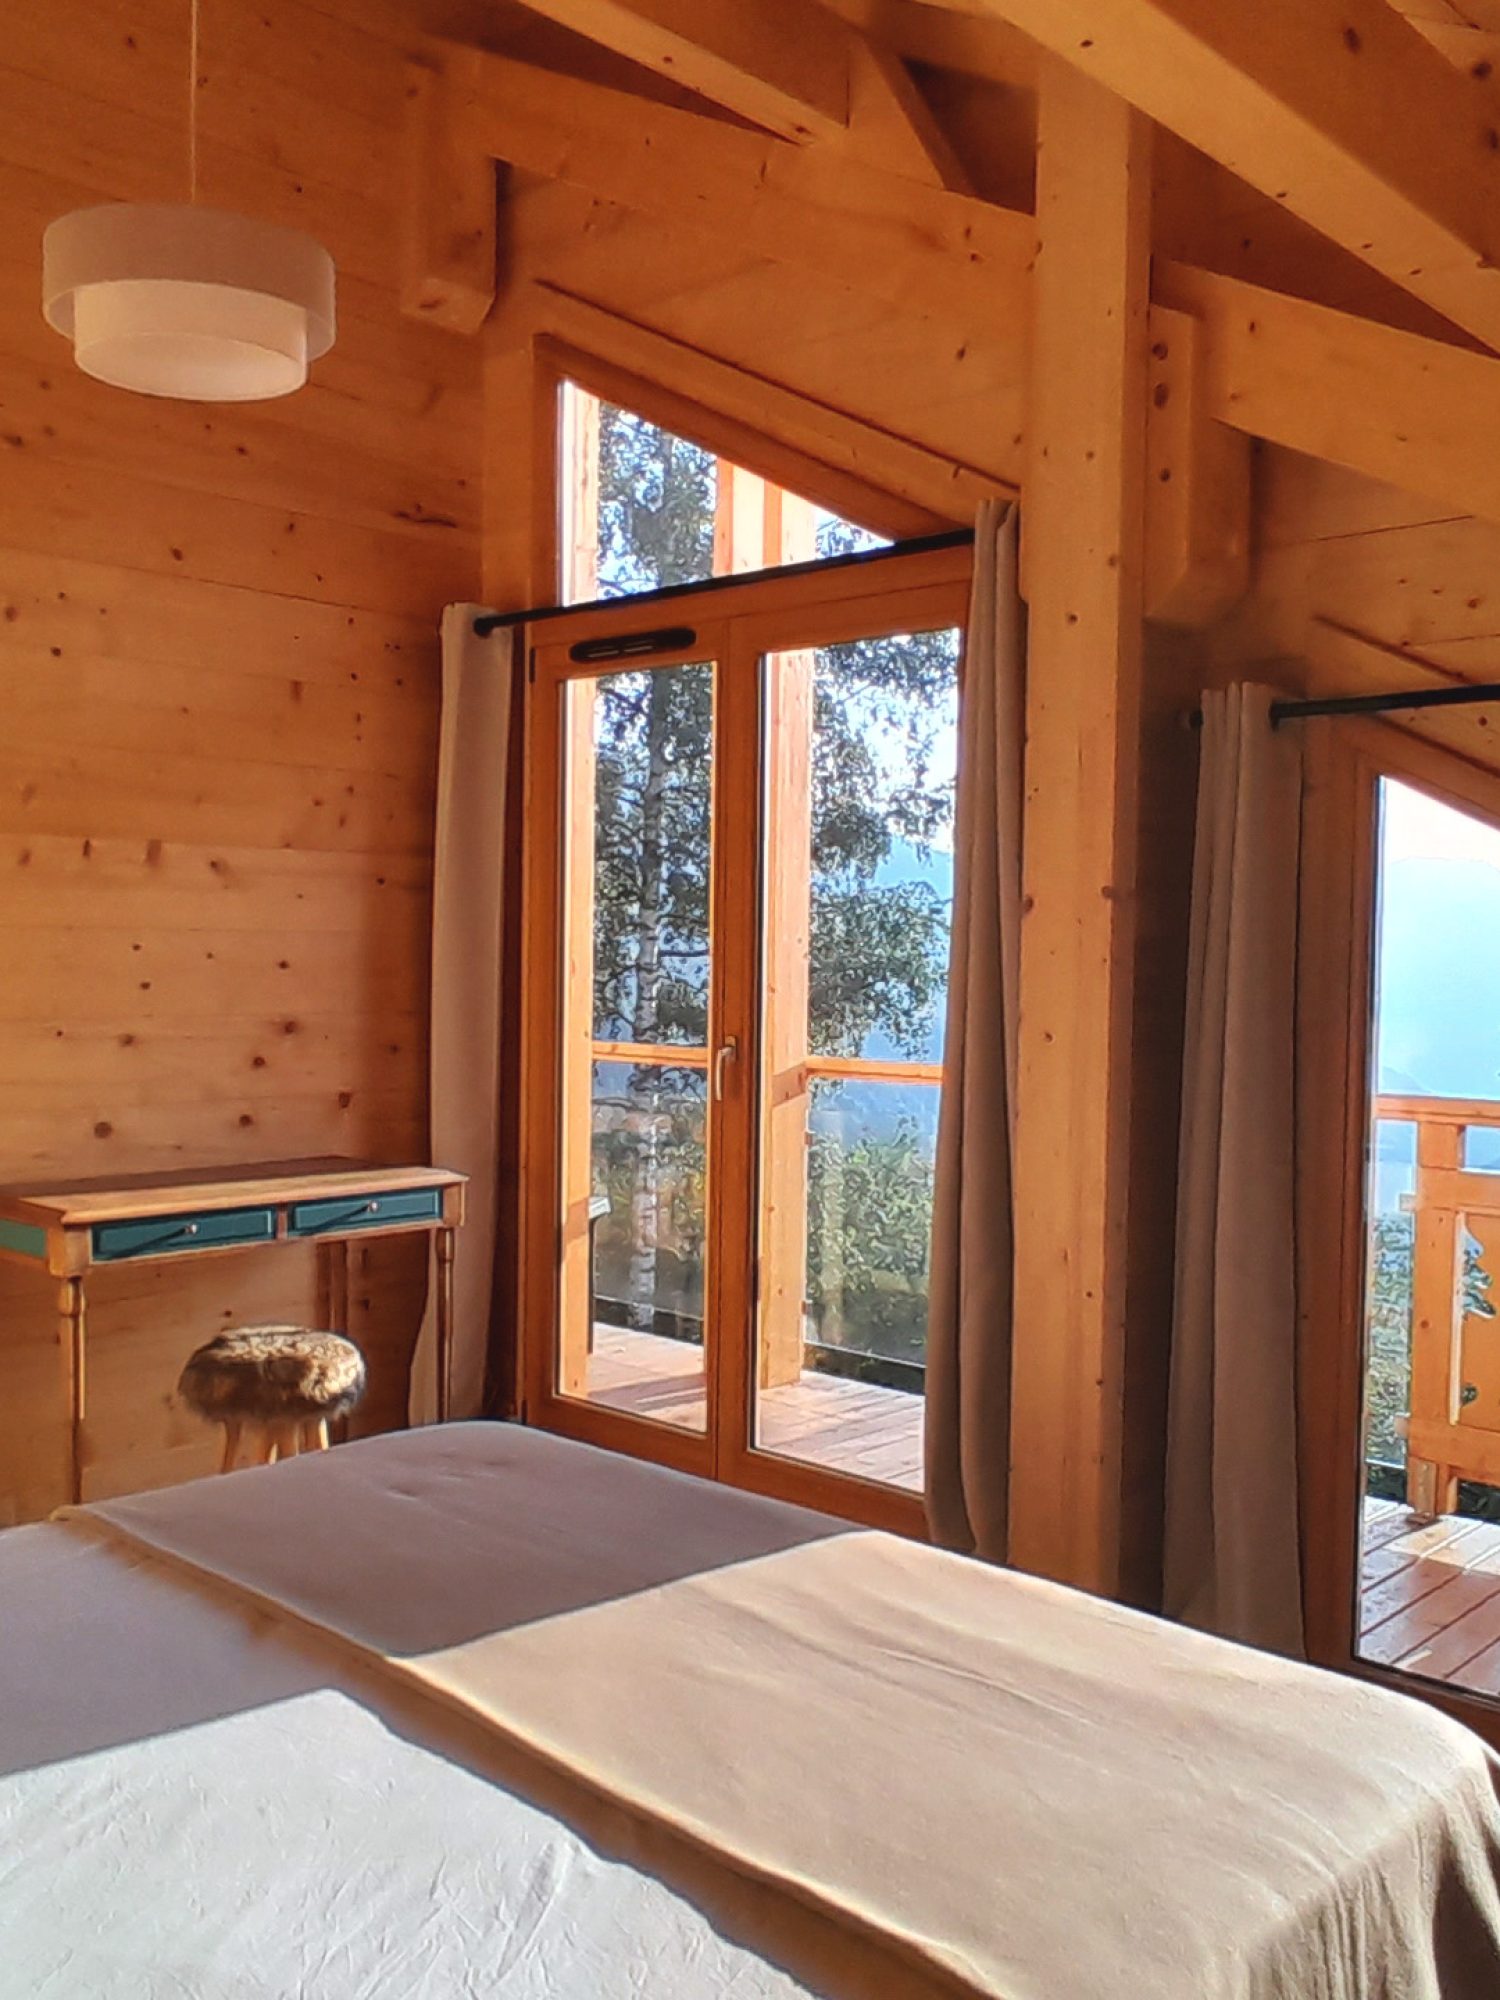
point(870, 1216)
point(878, 948)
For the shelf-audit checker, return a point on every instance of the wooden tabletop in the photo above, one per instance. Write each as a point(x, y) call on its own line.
point(81, 1203)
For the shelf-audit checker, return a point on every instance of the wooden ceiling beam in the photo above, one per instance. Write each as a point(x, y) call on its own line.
point(448, 217)
point(1413, 412)
point(1476, 50)
point(1337, 108)
point(787, 66)
point(1395, 405)
point(779, 63)
point(922, 248)
point(892, 124)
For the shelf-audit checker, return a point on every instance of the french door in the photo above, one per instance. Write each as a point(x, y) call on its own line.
point(738, 885)
point(1399, 1212)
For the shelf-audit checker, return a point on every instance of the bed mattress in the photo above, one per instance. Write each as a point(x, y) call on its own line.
point(196, 1805)
point(478, 1710)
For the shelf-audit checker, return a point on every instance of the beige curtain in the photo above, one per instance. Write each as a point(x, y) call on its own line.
point(468, 899)
point(1232, 1549)
point(969, 1324)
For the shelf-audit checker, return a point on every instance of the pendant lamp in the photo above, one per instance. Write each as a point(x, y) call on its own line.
point(184, 301)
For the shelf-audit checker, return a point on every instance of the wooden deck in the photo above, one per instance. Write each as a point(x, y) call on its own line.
point(854, 1427)
point(1430, 1596)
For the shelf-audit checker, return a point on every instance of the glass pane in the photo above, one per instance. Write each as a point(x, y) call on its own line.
point(653, 734)
point(1430, 1565)
point(635, 999)
point(647, 1231)
point(884, 747)
point(1393, 1168)
point(642, 508)
point(657, 496)
point(861, 750)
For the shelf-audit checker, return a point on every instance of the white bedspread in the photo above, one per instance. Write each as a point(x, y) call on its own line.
point(888, 1771)
point(196, 1807)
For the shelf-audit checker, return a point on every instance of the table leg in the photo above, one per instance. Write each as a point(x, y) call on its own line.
point(71, 1332)
point(333, 1304)
point(333, 1286)
point(442, 1244)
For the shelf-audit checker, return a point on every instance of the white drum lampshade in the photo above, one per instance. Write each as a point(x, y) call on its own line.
point(194, 303)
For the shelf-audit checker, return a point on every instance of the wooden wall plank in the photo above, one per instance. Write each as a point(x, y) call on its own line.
point(218, 667)
point(98, 607)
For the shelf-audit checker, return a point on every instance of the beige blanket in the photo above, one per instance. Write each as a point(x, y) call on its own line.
point(1037, 1795)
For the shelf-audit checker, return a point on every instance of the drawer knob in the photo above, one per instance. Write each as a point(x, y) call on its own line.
point(191, 1229)
point(372, 1208)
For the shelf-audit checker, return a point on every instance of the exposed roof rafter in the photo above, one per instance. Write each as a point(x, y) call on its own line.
point(785, 65)
point(1397, 405)
point(890, 122)
point(779, 63)
point(1343, 111)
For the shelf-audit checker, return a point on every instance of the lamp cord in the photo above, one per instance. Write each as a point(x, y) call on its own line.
point(193, 103)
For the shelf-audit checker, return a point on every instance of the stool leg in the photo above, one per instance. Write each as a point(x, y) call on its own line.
point(262, 1445)
point(288, 1438)
point(315, 1434)
point(231, 1445)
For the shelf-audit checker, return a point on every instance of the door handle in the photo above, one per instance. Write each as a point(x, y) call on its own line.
point(728, 1051)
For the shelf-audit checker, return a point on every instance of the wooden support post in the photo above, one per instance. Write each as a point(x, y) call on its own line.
point(1082, 516)
point(72, 1329)
point(1197, 494)
point(790, 535)
point(579, 460)
point(1436, 1315)
point(739, 520)
point(448, 219)
point(521, 457)
point(576, 1288)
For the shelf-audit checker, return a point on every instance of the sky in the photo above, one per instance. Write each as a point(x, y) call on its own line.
point(1438, 1017)
point(1415, 826)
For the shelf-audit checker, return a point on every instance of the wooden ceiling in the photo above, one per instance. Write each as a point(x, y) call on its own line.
point(1326, 178)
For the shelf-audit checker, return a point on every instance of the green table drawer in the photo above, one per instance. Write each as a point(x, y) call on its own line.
point(166, 1235)
point(376, 1211)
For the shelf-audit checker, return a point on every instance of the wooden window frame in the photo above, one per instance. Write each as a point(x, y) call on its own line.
point(737, 626)
point(1346, 761)
point(556, 362)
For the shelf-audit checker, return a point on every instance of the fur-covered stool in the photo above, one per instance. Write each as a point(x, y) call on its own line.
point(277, 1387)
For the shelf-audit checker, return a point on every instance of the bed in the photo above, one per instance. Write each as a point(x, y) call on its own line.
point(476, 1710)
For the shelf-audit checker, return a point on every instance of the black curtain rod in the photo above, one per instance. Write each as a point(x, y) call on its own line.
point(499, 621)
point(1375, 704)
point(1380, 704)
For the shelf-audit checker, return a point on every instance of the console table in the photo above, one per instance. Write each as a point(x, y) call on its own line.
point(69, 1229)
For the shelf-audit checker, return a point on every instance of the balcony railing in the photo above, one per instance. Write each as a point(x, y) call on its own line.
point(1452, 1430)
point(807, 1349)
